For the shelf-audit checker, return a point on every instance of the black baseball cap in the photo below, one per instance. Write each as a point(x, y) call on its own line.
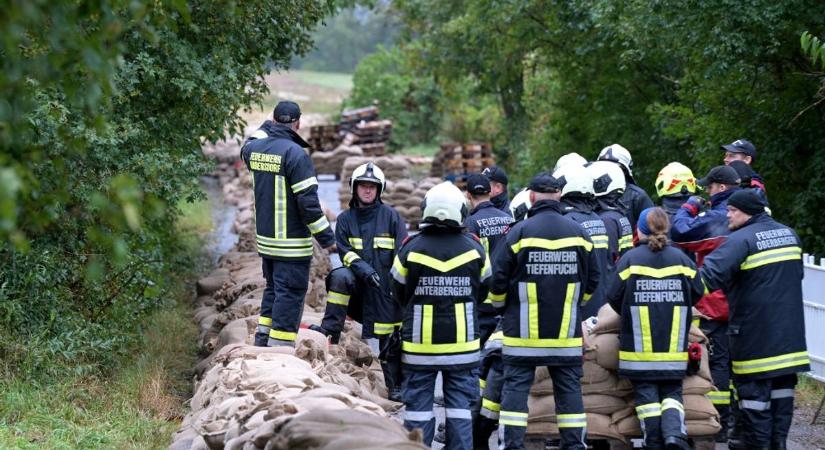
point(495, 173)
point(544, 183)
point(720, 174)
point(478, 184)
point(287, 112)
point(741, 146)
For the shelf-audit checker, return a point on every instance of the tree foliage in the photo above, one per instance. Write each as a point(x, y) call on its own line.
point(104, 109)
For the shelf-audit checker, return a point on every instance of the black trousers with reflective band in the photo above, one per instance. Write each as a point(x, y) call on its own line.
point(766, 409)
point(283, 298)
point(660, 411)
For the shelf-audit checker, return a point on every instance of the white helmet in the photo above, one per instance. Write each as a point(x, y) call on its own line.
point(369, 173)
point(444, 203)
point(607, 178)
point(520, 204)
point(570, 158)
point(574, 178)
point(617, 154)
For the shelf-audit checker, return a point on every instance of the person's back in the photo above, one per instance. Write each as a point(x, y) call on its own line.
point(634, 198)
point(609, 186)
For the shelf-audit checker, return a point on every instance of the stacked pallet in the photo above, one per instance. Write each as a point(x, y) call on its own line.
point(324, 137)
point(357, 127)
point(456, 160)
point(351, 117)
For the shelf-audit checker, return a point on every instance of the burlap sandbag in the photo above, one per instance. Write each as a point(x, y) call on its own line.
point(696, 335)
point(704, 365)
point(541, 408)
point(335, 430)
point(706, 427)
point(598, 427)
point(604, 351)
point(595, 380)
point(608, 321)
point(240, 350)
point(603, 404)
point(208, 285)
point(594, 373)
point(696, 385)
point(629, 426)
point(698, 407)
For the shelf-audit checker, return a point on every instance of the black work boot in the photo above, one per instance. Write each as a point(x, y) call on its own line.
point(333, 337)
point(778, 445)
point(676, 443)
point(261, 339)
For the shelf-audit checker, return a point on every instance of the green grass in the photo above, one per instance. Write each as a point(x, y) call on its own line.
point(809, 391)
point(334, 80)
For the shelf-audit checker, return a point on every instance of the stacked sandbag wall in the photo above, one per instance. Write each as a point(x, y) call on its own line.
point(608, 399)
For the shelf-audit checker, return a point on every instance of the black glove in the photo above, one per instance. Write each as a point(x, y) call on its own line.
point(374, 280)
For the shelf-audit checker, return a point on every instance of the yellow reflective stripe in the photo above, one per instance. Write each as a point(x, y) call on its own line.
point(568, 309)
point(286, 242)
point(552, 244)
point(512, 418)
point(695, 322)
point(396, 264)
point(657, 273)
point(670, 403)
point(460, 323)
point(497, 336)
point(491, 405)
point(533, 310)
point(653, 356)
point(586, 297)
point(488, 301)
point(319, 225)
point(771, 363)
point(486, 270)
point(485, 242)
point(648, 410)
point(675, 326)
point(383, 242)
point(356, 243)
point(719, 397)
point(384, 328)
point(427, 325)
point(301, 185)
point(279, 212)
point(571, 420)
point(625, 242)
point(265, 321)
point(600, 241)
point(528, 342)
point(482, 383)
point(705, 287)
point(338, 298)
point(647, 339)
point(443, 266)
point(451, 347)
point(497, 297)
point(285, 252)
point(771, 256)
point(282, 335)
point(350, 258)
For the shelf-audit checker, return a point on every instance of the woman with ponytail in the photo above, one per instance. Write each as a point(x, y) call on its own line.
point(653, 289)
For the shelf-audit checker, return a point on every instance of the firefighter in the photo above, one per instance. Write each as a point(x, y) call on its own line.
point(578, 201)
point(540, 276)
point(760, 269)
point(703, 234)
point(608, 187)
point(498, 187)
point(743, 150)
point(568, 159)
point(440, 278)
point(653, 289)
point(634, 198)
point(490, 224)
point(367, 236)
point(520, 205)
point(675, 184)
point(287, 215)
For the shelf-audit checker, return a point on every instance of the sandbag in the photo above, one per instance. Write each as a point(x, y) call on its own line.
point(608, 321)
point(696, 385)
point(629, 426)
point(604, 351)
point(603, 404)
point(696, 335)
point(208, 285)
point(598, 426)
point(594, 373)
point(705, 427)
point(698, 407)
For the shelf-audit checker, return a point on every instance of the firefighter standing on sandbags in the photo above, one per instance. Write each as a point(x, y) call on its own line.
point(287, 215)
point(578, 202)
point(440, 277)
point(539, 278)
point(760, 269)
point(608, 187)
point(367, 236)
point(653, 289)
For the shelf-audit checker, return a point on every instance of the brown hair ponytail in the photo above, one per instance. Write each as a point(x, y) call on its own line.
point(658, 223)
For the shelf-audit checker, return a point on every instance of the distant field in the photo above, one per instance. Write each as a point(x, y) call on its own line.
point(339, 81)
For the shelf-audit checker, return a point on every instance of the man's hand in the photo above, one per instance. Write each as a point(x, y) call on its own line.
point(694, 204)
point(374, 280)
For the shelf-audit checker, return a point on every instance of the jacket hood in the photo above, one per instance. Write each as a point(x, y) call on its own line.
point(280, 131)
point(543, 206)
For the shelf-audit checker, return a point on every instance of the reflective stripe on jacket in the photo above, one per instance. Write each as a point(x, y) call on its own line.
point(760, 269)
point(439, 278)
point(546, 269)
point(654, 292)
point(287, 210)
point(490, 224)
point(581, 211)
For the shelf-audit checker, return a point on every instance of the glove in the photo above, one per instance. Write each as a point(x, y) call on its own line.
point(694, 204)
point(694, 358)
point(374, 280)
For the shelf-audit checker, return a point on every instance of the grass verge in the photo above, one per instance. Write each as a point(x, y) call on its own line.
point(809, 392)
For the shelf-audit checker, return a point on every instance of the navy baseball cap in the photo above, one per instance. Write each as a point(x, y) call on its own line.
point(495, 173)
point(741, 146)
point(544, 183)
point(287, 112)
point(478, 184)
point(720, 174)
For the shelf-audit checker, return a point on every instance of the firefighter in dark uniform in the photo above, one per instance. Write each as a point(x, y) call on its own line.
point(675, 184)
point(540, 276)
point(498, 187)
point(653, 289)
point(760, 269)
point(608, 187)
point(577, 201)
point(367, 236)
point(287, 215)
point(490, 224)
point(634, 198)
point(440, 278)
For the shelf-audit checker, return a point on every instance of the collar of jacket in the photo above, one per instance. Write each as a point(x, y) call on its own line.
point(761, 217)
point(500, 200)
point(671, 204)
point(719, 197)
point(354, 203)
point(482, 205)
point(577, 203)
point(610, 202)
point(544, 206)
point(278, 130)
